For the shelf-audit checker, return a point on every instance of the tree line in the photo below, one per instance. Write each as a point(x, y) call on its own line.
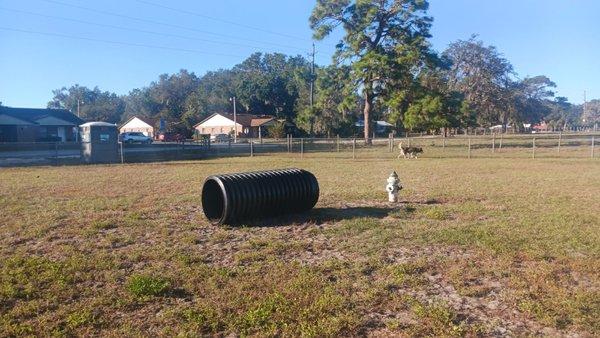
point(384, 68)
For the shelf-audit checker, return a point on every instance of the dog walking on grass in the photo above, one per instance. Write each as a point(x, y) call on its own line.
point(409, 152)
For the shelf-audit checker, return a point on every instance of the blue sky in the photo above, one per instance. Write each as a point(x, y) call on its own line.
point(557, 38)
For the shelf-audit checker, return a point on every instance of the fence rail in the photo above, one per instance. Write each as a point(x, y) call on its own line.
point(463, 146)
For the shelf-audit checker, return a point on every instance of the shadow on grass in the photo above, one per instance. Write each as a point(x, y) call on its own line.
point(320, 216)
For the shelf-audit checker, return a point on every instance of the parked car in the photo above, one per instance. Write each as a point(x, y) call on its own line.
point(218, 138)
point(171, 137)
point(135, 137)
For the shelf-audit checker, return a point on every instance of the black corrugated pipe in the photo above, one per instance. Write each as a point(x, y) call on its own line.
point(235, 198)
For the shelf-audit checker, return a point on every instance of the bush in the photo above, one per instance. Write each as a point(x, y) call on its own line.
point(143, 285)
point(277, 130)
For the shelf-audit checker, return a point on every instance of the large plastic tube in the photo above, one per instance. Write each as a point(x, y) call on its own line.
point(236, 198)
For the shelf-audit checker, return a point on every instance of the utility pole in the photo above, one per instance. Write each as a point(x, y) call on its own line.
point(234, 120)
point(78, 103)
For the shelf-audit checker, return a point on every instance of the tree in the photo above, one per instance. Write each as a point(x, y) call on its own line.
point(211, 96)
point(562, 114)
point(170, 94)
point(271, 84)
point(277, 130)
point(139, 102)
point(167, 99)
point(528, 99)
point(484, 77)
point(335, 102)
point(94, 104)
point(423, 114)
point(384, 41)
point(591, 115)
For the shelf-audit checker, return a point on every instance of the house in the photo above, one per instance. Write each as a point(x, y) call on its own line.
point(381, 127)
point(247, 125)
point(140, 124)
point(38, 125)
point(542, 127)
point(498, 128)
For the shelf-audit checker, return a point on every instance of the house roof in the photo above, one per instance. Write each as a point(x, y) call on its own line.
point(98, 124)
point(361, 123)
point(34, 114)
point(259, 121)
point(149, 121)
point(246, 120)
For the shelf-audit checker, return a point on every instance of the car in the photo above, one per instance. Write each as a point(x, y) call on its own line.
point(218, 138)
point(135, 137)
point(171, 137)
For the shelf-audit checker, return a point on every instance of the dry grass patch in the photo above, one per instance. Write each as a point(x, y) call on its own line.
point(480, 247)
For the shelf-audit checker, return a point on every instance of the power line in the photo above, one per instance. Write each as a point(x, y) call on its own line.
point(164, 24)
point(128, 28)
point(117, 42)
point(220, 20)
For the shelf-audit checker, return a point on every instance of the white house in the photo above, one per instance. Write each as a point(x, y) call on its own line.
point(247, 125)
point(139, 124)
point(381, 127)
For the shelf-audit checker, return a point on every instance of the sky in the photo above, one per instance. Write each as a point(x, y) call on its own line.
point(119, 45)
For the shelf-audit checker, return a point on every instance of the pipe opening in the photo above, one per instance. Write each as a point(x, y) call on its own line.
point(213, 201)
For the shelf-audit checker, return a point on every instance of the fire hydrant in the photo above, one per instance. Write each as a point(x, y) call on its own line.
point(393, 187)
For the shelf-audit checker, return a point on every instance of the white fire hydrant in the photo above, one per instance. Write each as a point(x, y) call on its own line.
point(393, 187)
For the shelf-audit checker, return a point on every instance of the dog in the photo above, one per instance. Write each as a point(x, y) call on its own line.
point(409, 152)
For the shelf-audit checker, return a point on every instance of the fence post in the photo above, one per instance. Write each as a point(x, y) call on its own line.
point(354, 148)
point(533, 153)
point(494, 143)
point(56, 152)
point(338, 143)
point(121, 146)
point(302, 148)
point(501, 139)
point(559, 141)
point(408, 141)
point(593, 143)
point(444, 142)
point(469, 147)
point(251, 148)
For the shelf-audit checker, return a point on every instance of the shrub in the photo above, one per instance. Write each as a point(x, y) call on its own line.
point(144, 285)
point(277, 130)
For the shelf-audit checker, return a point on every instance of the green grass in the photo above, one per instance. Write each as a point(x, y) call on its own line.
point(143, 285)
point(124, 250)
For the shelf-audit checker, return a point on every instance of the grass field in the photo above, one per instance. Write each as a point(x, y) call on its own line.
point(476, 247)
